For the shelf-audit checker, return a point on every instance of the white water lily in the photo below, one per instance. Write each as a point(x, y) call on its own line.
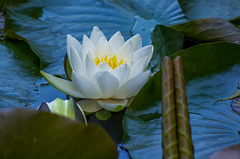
point(110, 72)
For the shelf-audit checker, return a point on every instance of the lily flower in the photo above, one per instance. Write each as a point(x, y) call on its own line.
point(106, 72)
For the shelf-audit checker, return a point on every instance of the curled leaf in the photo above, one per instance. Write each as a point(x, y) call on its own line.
point(169, 124)
point(185, 145)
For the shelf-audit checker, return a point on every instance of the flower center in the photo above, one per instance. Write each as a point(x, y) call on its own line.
point(112, 61)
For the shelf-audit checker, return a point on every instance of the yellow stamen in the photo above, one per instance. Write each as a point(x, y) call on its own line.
point(112, 61)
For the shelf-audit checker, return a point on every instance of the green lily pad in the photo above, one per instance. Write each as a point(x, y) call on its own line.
point(211, 71)
point(31, 134)
point(215, 8)
point(19, 75)
point(168, 42)
point(103, 115)
point(209, 30)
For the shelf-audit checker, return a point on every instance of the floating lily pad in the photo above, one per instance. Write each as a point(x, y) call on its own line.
point(168, 42)
point(103, 115)
point(18, 75)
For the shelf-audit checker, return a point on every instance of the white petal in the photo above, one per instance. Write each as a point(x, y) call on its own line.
point(122, 73)
point(146, 51)
point(96, 35)
point(86, 87)
point(133, 44)
point(76, 63)
point(91, 68)
point(137, 42)
point(138, 67)
point(107, 83)
point(113, 105)
point(87, 46)
point(116, 41)
point(125, 51)
point(133, 86)
point(73, 42)
point(103, 66)
point(63, 85)
point(103, 49)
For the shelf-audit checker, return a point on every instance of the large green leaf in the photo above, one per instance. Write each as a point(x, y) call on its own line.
point(211, 71)
point(21, 85)
point(195, 9)
point(209, 30)
point(167, 41)
point(31, 134)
